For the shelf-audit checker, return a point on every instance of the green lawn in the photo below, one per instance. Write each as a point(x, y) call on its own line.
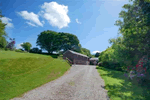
point(21, 72)
point(120, 88)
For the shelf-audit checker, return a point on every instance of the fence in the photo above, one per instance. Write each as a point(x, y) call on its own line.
point(68, 60)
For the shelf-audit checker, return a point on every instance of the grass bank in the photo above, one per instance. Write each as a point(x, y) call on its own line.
point(120, 88)
point(21, 72)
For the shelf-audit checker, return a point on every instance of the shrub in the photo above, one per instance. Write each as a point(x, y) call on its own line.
point(2, 49)
point(100, 64)
point(111, 65)
point(35, 50)
point(7, 49)
point(141, 71)
point(11, 44)
point(19, 50)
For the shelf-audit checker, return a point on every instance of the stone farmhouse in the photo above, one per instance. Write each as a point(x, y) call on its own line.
point(76, 58)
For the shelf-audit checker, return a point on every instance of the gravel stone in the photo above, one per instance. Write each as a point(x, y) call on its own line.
point(82, 82)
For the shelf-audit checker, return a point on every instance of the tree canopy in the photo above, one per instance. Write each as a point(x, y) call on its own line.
point(54, 41)
point(27, 46)
point(86, 52)
point(97, 54)
point(3, 41)
point(134, 39)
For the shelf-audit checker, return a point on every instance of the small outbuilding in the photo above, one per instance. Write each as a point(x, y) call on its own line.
point(94, 61)
point(76, 58)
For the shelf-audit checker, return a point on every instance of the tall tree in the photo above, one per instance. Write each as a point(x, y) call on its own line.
point(68, 41)
point(49, 40)
point(27, 46)
point(134, 30)
point(11, 44)
point(77, 48)
point(86, 52)
point(3, 41)
point(53, 41)
point(97, 54)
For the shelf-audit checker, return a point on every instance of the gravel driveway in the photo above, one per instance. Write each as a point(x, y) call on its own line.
point(82, 82)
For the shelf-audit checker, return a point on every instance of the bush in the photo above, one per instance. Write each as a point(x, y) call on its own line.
point(2, 49)
point(35, 50)
point(7, 49)
point(19, 50)
point(140, 71)
point(111, 65)
point(100, 64)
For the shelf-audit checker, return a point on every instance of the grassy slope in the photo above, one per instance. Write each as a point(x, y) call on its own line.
point(119, 88)
point(21, 72)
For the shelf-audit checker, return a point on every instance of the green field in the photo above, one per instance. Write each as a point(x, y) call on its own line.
point(120, 88)
point(21, 72)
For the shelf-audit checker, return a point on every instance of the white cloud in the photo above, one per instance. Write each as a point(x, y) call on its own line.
point(78, 21)
point(7, 21)
point(19, 46)
point(31, 24)
point(32, 17)
point(55, 14)
point(94, 52)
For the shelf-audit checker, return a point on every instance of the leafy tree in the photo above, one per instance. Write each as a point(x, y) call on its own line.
point(3, 41)
point(97, 54)
point(92, 55)
point(49, 40)
point(11, 44)
point(26, 46)
point(68, 41)
point(35, 50)
point(53, 41)
point(134, 29)
point(77, 48)
point(86, 52)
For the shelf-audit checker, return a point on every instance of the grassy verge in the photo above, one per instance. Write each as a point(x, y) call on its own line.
point(120, 88)
point(21, 72)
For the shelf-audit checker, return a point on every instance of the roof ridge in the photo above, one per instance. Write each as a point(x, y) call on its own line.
point(78, 53)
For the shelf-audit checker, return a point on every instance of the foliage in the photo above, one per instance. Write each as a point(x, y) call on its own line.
point(2, 27)
point(107, 58)
point(20, 50)
point(60, 42)
point(141, 71)
point(77, 48)
point(120, 88)
point(35, 50)
point(134, 28)
point(92, 55)
point(3, 42)
point(3, 34)
point(19, 71)
point(97, 54)
point(11, 44)
point(54, 41)
point(81, 50)
point(68, 41)
point(86, 52)
point(27, 46)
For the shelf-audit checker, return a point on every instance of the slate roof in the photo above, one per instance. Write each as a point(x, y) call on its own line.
point(93, 58)
point(78, 53)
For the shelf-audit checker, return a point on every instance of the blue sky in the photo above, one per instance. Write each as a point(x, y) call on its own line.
point(92, 21)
